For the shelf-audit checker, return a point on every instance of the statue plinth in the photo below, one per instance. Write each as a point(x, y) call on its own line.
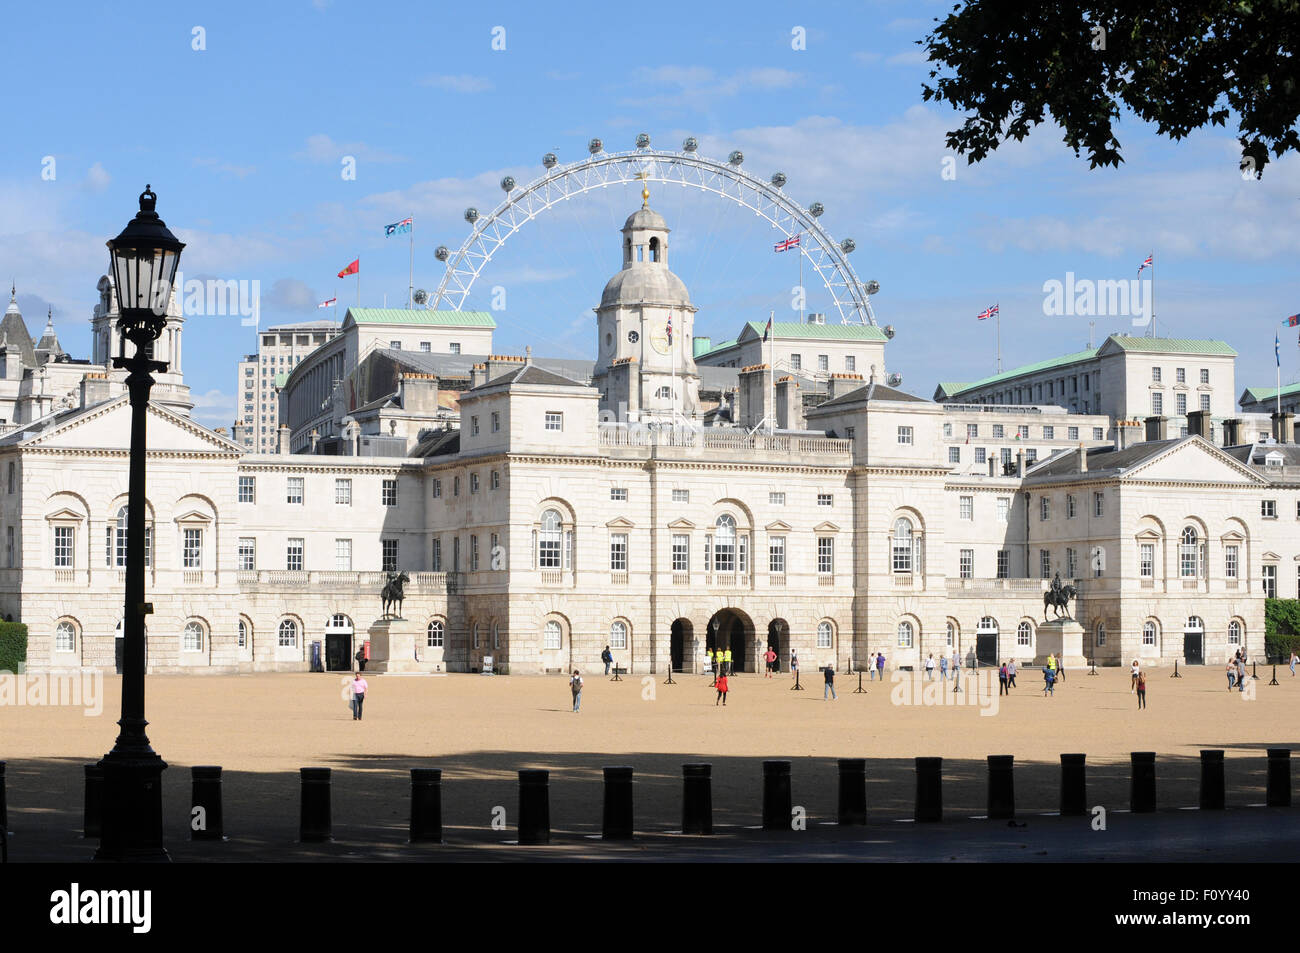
point(394, 644)
point(1062, 638)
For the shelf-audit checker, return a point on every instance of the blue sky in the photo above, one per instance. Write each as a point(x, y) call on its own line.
point(243, 142)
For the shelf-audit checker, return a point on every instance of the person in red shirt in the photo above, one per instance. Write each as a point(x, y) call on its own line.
point(770, 659)
point(722, 691)
point(1142, 689)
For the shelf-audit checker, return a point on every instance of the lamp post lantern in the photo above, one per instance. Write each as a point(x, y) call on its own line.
point(144, 257)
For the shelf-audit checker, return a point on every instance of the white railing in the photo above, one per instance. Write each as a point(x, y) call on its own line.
point(718, 438)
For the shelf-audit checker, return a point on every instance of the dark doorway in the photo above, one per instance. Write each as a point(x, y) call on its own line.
point(1194, 648)
point(986, 648)
point(732, 631)
point(338, 652)
point(778, 640)
point(681, 634)
point(118, 644)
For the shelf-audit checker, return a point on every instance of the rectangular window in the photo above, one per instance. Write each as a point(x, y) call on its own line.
point(293, 556)
point(473, 425)
point(496, 480)
point(850, 363)
point(1270, 582)
point(1180, 375)
point(1072, 433)
point(1157, 403)
point(455, 486)
point(972, 431)
point(823, 362)
point(1004, 564)
point(388, 493)
point(1268, 509)
point(473, 553)
point(825, 555)
point(778, 499)
point(981, 455)
point(395, 345)
point(437, 488)
point(966, 564)
point(998, 431)
point(343, 492)
point(1180, 404)
point(966, 507)
point(905, 435)
point(1044, 508)
point(1205, 375)
point(954, 454)
point(63, 547)
point(1049, 433)
point(247, 553)
point(1071, 567)
point(618, 552)
point(247, 488)
point(1004, 508)
point(554, 420)
point(1005, 455)
point(343, 555)
point(473, 483)
point(681, 552)
point(389, 563)
point(796, 362)
point(1022, 432)
point(681, 496)
point(618, 493)
point(1045, 564)
point(293, 493)
point(1155, 374)
point(825, 499)
point(192, 549)
point(1098, 433)
point(495, 552)
point(496, 421)
point(947, 430)
point(1205, 403)
point(435, 558)
point(9, 545)
point(1230, 562)
point(426, 346)
point(1069, 506)
point(454, 347)
point(776, 554)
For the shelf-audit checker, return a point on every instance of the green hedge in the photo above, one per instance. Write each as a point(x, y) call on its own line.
point(1281, 628)
point(13, 646)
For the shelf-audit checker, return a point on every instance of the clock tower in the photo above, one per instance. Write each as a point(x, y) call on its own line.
point(645, 368)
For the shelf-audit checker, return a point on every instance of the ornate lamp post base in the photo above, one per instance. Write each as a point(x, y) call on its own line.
point(131, 829)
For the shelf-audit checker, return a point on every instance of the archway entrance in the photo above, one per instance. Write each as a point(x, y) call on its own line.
point(778, 640)
point(338, 644)
point(1194, 641)
point(732, 629)
point(986, 641)
point(683, 636)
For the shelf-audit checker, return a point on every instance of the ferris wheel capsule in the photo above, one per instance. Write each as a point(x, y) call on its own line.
point(736, 157)
point(643, 141)
point(508, 184)
point(779, 179)
point(848, 245)
point(595, 146)
point(691, 144)
point(441, 253)
point(873, 287)
point(549, 160)
point(471, 215)
point(816, 209)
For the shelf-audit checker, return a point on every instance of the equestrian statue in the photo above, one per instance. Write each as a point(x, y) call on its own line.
point(393, 594)
point(1058, 598)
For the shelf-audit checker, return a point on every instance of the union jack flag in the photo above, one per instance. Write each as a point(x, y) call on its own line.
point(1146, 264)
point(787, 244)
point(670, 329)
point(987, 313)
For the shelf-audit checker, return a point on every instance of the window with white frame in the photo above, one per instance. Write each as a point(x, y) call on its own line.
point(247, 553)
point(1230, 561)
point(1072, 433)
point(1024, 635)
point(473, 425)
point(825, 499)
point(824, 634)
point(553, 635)
point(966, 564)
point(473, 552)
point(966, 507)
point(247, 489)
point(1098, 503)
point(241, 635)
point(1234, 632)
point(823, 362)
point(1098, 433)
point(293, 555)
point(1148, 634)
point(1205, 403)
point(1049, 433)
point(903, 546)
point(495, 482)
point(778, 499)
point(1004, 508)
point(1022, 431)
point(287, 636)
point(724, 544)
point(905, 435)
point(477, 636)
point(192, 549)
point(825, 555)
point(951, 634)
point(681, 552)
point(1004, 564)
point(1180, 404)
point(554, 544)
point(1146, 560)
point(65, 637)
point(850, 363)
point(435, 634)
point(947, 430)
point(293, 490)
point(681, 496)
point(954, 454)
point(998, 431)
point(389, 555)
point(618, 552)
point(1155, 375)
point(473, 483)
point(63, 547)
point(1157, 403)
point(981, 454)
point(436, 488)
point(905, 634)
point(554, 420)
point(192, 640)
point(618, 634)
point(1045, 563)
point(1268, 509)
point(776, 554)
point(972, 431)
point(1069, 506)
point(1044, 508)
point(618, 493)
point(496, 421)
point(343, 555)
point(435, 557)
point(1189, 552)
point(388, 493)
point(1071, 567)
point(1270, 581)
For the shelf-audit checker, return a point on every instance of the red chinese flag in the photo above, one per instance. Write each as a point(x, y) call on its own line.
point(351, 269)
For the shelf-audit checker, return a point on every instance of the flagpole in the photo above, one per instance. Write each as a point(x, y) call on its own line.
point(673, 344)
point(771, 365)
point(1152, 256)
point(410, 290)
point(998, 315)
point(800, 256)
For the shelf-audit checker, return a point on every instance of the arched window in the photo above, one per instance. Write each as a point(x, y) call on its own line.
point(549, 541)
point(241, 637)
point(117, 541)
point(1101, 633)
point(823, 635)
point(904, 546)
point(618, 635)
point(664, 393)
point(1188, 554)
point(987, 624)
point(1148, 634)
point(952, 635)
point(724, 544)
point(904, 635)
point(654, 249)
point(193, 638)
point(65, 637)
point(288, 636)
point(339, 621)
point(436, 632)
point(1195, 624)
point(1234, 632)
point(627, 249)
point(1024, 634)
point(496, 636)
point(476, 635)
point(553, 636)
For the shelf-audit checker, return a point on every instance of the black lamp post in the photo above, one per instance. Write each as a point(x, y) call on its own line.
point(144, 262)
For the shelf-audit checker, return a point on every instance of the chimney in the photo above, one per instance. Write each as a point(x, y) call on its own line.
point(94, 388)
point(477, 375)
point(1020, 464)
point(1232, 432)
point(1157, 428)
point(789, 404)
point(1198, 424)
point(499, 364)
point(841, 384)
point(752, 406)
point(1083, 458)
point(1283, 427)
point(283, 441)
point(1126, 433)
point(419, 393)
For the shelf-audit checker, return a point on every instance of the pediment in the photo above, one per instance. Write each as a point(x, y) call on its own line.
point(107, 426)
point(681, 523)
point(1233, 536)
point(1270, 557)
point(780, 526)
point(1195, 460)
point(1147, 534)
point(65, 514)
point(194, 516)
point(621, 522)
point(826, 527)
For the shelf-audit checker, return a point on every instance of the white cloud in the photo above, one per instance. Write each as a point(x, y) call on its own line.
point(908, 58)
point(290, 294)
point(224, 167)
point(866, 58)
point(97, 178)
point(321, 148)
point(214, 408)
point(463, 83)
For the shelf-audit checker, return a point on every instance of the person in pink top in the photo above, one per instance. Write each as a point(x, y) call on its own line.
point(359, 687)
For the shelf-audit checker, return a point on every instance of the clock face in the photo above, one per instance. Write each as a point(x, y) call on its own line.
point(633, 337)
point(659, 338)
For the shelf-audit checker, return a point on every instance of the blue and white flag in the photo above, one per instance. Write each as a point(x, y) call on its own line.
point(396, 229)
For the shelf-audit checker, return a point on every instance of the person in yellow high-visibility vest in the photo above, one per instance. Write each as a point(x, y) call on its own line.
point(726, 660)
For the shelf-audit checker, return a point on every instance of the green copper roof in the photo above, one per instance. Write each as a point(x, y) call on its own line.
point(422, 317)
point(719, 347)
point(842, 332)
point(1258, 394)
point(280, 379)
point(1172, 345)
point(1031, 368)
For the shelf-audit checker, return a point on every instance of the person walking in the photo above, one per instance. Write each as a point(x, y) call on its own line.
point(829, 673)
point(770, 658)
point(1051, 663)
point(361, 659)
point(575, 686)
point(607, 657)
point(794, 664)
point(1294, 658)
point(1133, 673)
point(1002, 680)
point(943, 668)
point(722, 690)
point(871, 667)
point(955, 664)
point(1232, 674)
point(1142, 690)
point(1049, 681)
point(1060, 668)
point(359, 687)
point(929, 667)
point(1241, 673)
point(880, 665)
point(1011, 675)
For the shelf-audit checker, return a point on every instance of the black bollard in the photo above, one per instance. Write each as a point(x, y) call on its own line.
point(1212, 787)
point(929, 789)
point(1002, 791)
point(1074, 785)
point(94, 800)
point(205, 803)
point(616, 820)
point(1142, 789)
point(314, 817)
point(426, 806)
point(776, 795)
point(853, 790)
point(1279, 777)
point(697, 799)
point(534, 806)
